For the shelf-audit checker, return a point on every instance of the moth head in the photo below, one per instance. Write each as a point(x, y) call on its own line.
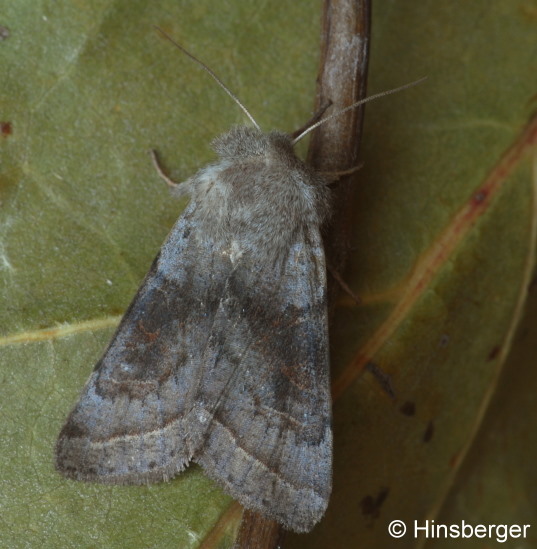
point(245, 141)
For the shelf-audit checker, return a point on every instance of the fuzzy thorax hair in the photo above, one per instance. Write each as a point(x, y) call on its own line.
point(259, 195)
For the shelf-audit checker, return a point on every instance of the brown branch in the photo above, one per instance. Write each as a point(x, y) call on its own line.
point(258, 532)
point(333, 148)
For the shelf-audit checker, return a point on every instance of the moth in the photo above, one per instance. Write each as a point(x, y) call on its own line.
point(222, 356)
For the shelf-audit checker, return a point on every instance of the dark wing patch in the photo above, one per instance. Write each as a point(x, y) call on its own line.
point(264, 391)
point(128, 424)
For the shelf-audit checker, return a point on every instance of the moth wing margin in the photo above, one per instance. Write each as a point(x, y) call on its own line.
point(267, 399)
point(128, 425)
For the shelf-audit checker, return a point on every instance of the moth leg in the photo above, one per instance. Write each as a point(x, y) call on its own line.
point(333, 177)
point(344, 286)
point(315, 118)
point(170, 182)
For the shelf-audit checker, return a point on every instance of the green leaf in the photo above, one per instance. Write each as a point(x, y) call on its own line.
point(497, 482)
point(89, 87)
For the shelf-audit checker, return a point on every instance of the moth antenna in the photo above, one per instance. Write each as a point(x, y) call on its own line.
point(211, 72)
point(354, 105)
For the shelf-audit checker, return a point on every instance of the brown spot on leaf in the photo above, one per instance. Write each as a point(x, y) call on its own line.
point(408, 408)
point(371, 505)
point(429, 432)
point(6, 128)
point(493, 355)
